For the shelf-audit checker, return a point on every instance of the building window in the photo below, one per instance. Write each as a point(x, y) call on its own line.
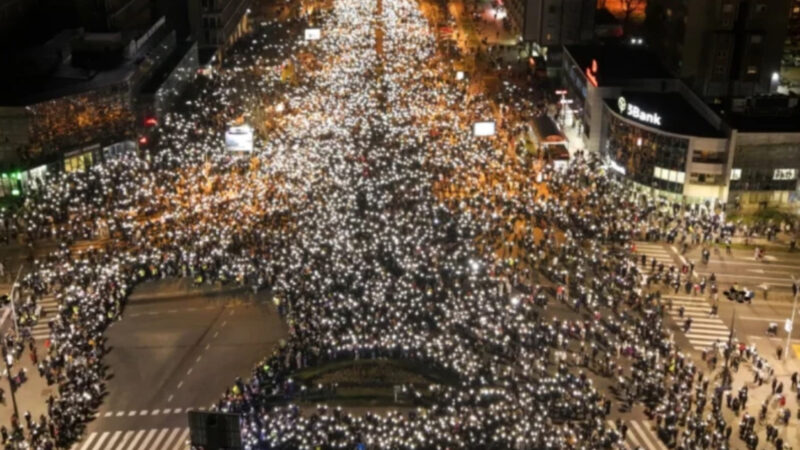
point(727, 8)
point(761, 7)
point(755, 39)
point(752, 70)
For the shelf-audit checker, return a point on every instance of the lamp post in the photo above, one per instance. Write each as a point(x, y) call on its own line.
point(13, 296)
point(791, 323)
point(8, 358)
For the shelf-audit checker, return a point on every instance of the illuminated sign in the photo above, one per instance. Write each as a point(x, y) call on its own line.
point(634, 111)
point(784, 174)
point(239, 138)
point(313, 34)
point(483, 129)
point(736, 174)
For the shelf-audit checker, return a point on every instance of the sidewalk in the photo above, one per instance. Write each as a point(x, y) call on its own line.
point(757, 395)
point(32, 395)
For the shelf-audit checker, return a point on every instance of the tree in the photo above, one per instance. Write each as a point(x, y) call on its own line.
point(629, 6)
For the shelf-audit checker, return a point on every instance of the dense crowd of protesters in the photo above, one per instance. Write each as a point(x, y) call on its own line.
point(383, 228)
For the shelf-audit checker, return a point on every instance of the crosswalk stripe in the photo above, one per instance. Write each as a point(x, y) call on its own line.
point(708, 326)
point(158, 439)
point(168, 442)
point(708, 322)
point(181, 444)
point(700, 336)
point(99, 445)
point(707, 342)
point(690, 309)
point(147, 439)
point(125, 438)
point(630, 436)
point(644, 434)
point(89, 441)
point(135, 440)
point(113, 439)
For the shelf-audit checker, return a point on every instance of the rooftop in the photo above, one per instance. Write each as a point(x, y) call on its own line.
point(676, 115)
point(50, 71)
point(618, 63)
point(767, 114)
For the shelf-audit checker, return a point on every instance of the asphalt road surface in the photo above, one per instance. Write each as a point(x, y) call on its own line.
point(749, 322)
point(177, 348)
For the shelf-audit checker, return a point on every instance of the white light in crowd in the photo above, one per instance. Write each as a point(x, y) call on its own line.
point(775, 76)
point(499, 13)
point(459, 75)
point(483, 129)
point(475, 265)
point(515, 300)
point(280, 107)
point(313, 34)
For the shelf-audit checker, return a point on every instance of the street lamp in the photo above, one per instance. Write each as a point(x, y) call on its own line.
point(790, 325)
point(8, 358)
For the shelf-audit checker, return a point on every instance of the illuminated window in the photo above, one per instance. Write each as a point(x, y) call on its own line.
point(752, 70)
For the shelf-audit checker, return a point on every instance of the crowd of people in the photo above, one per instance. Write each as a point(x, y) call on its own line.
point(383, 229)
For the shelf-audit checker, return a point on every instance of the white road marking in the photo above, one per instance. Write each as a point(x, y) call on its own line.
point(147, 439)
point(99, 444)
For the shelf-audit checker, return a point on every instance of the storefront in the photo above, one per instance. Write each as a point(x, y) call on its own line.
point(766, 169)
point(80, 160)
point(595, 73)
point(660, 141)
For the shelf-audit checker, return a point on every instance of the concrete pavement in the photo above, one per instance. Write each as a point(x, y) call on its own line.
point(176, 348)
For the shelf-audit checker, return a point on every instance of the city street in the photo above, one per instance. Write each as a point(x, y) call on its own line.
point(335, 200)
point(176, 348)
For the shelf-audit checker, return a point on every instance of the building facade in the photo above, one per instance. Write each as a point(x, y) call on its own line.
point(766, 161)
point(552, 22)
point(217, 24)
point(594, 73)
point(71, 106)
point(662, 141)
point(720, 48)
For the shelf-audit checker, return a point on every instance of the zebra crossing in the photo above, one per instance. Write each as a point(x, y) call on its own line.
point(49, 309)
point(706, 329)
point(146, 439)
point(639, 435)
point(654, 250)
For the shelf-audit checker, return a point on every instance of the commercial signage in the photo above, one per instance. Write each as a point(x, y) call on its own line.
point(313, 34)
point(634, 111)
point(784, 174)
point(483, 129)
point(239, 138)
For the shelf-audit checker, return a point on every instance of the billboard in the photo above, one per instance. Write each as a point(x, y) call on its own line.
point(313, 34)
point(483, 129)
point(239, 138)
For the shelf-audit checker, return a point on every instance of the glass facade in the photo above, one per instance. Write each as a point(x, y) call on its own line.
point(649, 158)
point(764, 179)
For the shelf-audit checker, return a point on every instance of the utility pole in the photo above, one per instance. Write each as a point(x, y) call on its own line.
point(13, 296)
point(791, 326)
point(726, 377)
point(8, 358)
